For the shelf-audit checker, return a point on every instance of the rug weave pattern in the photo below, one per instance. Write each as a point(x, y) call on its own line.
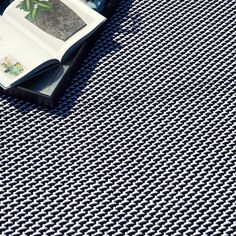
point(142, 143)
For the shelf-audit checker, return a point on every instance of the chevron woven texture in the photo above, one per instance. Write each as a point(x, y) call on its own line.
point(142, 143)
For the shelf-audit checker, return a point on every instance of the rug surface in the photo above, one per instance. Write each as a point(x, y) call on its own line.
point(143, 141)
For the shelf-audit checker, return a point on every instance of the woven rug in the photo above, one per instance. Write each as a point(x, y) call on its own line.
point(143, 141)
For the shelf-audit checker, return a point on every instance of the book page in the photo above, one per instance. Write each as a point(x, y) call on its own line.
point(18, 55)
point(55, 25)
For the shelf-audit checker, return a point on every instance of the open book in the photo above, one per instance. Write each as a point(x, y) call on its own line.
point(38, 34)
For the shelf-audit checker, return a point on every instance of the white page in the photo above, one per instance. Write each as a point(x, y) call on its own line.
point(50, 28)
point(19, 55)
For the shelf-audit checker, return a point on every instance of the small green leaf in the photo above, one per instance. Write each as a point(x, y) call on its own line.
point(34, 12)
point(28, 4)
point(45, 5)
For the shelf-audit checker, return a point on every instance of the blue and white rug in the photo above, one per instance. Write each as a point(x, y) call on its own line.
point(142, 143)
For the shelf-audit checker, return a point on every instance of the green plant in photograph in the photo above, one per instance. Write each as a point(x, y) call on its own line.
point(11, 68)
point(35, 7)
